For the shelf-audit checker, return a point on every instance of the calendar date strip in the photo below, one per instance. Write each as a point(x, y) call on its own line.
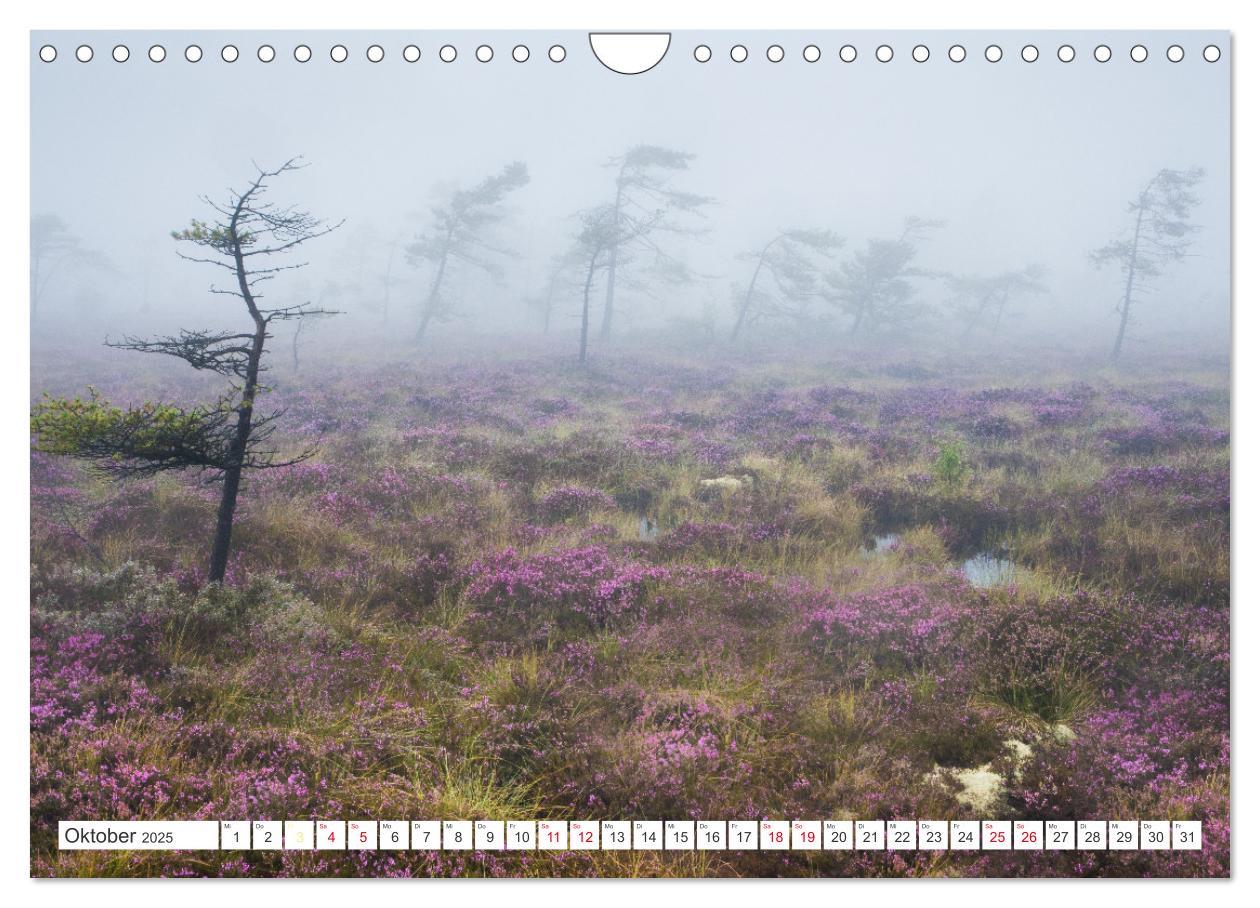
point(631, 835)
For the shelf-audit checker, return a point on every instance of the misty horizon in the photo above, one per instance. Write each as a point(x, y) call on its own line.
point(1029, 164)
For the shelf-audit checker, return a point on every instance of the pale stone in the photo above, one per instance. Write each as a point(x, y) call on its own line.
point(1063, 734)
point(982, 788)
point(723, 485)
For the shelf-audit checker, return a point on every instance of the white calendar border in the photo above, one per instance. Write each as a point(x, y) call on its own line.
point(17, 18)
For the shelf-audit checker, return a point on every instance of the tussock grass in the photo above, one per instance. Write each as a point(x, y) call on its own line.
point(760, 661)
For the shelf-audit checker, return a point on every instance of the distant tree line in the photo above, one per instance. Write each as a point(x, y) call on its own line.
point(630, 240)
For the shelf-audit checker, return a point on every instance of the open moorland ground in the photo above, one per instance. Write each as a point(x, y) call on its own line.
point(800, 585)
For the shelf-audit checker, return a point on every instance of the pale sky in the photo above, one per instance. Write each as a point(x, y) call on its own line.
point(1026, 162)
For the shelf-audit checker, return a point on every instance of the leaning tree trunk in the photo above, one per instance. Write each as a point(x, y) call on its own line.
point(34, 289)
point(424, 323)
point(435, 289)
point(1128, 284)
point(244, 421)
point(605, 327)
point(550, 302)
point(857, 321)
point(586, 308)
point(981, 308)
point(1001, 310)
point(389, 282)
point(297, 334)
point(232, 475)
point(223, 526)
point(748, 294)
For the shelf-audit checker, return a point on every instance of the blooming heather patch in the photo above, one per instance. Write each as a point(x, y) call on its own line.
point(572, 501)
point(586, 584)
point(505, 589)
point(901, 628)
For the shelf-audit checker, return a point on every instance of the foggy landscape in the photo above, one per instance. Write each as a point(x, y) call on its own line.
point(522, 440)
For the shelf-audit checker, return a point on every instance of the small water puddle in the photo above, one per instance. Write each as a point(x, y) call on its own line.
point(880, 545)
point(988, 569)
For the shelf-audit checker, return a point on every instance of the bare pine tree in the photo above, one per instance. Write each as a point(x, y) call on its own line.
point(988, 296)
point(602, 233)
point(462, 235)
point(785, 278)
point(55, 249)
point(1162, 234)
point(248, 238)
point(643, 204)
point(595, 241)
point(560, 281)
point(876, 286)
point(387, 279)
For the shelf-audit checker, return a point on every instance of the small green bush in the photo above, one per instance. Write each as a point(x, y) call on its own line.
point(950, 467)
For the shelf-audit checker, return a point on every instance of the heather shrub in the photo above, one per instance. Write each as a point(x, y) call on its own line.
point(940, 721)
point(152, 515)
point(567, 502)
point(1037, 668)
point(722, 592)
point(570, 588)
point(839, 721)
point(717, 541)
point(893, 630)
point(148, 614)
point(681, 755)
point(992, 427)
point(503, 589)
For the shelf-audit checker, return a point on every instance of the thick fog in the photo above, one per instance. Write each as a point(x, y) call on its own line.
point(1023, 162)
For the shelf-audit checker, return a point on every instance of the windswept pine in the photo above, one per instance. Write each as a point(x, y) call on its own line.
point(250, 237)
